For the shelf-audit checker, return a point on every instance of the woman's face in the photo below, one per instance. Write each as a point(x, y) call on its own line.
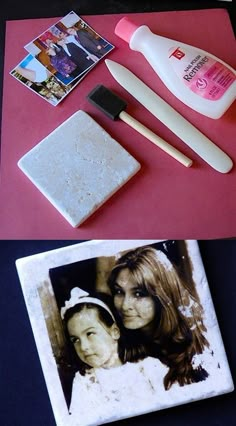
point(71, 31)
point(51, 51)
point(135, 307)
point(61, 42)
point(94, 342)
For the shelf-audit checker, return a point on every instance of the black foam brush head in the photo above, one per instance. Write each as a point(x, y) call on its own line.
point(107, 101)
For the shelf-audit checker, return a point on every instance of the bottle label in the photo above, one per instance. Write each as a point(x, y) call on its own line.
point(202, 74)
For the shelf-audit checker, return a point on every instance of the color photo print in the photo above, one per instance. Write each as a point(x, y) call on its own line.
point(60, 57)
point(33, 75)
point(116, 322)
point(70, 47)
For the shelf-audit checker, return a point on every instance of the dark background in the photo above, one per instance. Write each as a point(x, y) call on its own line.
point(65, 277)
point(23, 394)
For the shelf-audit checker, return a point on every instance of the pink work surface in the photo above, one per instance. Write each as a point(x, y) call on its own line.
point(165, 199)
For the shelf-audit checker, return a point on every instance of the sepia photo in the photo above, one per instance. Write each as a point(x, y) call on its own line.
point(123, 328)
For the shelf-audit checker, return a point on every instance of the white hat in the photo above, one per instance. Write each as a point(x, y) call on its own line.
point(78, 296)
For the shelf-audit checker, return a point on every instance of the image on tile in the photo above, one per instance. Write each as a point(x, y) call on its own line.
point(121, 321)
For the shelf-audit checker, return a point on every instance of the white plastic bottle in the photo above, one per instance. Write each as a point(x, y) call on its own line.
point(199, 79)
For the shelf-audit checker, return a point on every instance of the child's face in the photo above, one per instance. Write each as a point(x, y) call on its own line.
point(94, 342)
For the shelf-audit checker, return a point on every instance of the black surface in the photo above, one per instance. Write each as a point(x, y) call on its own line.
point(107, 101)
point(24, 398)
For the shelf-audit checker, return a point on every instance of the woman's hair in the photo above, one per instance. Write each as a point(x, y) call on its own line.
point(178, 334)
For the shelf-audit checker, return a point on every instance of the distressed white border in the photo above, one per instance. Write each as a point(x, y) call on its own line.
point(34, 270)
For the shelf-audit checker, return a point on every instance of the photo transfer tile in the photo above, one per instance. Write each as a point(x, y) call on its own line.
point(118, 321)
point(78, 167)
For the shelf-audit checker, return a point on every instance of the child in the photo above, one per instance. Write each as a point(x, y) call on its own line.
point(109, 389)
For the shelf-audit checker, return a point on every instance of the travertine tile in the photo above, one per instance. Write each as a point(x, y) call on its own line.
point(78, 167)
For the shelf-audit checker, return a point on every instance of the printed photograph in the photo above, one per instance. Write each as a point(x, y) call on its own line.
point(41, 81)
point(69, 48)
point(116, 322)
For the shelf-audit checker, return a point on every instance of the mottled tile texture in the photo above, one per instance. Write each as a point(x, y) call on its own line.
point(78, 167)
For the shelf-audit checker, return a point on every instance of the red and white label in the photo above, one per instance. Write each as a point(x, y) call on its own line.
point(202, 74)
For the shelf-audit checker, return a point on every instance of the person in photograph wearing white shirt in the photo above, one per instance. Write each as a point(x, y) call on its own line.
point(105, 388)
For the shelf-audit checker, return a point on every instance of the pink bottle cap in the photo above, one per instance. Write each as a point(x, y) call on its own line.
point(125, 29)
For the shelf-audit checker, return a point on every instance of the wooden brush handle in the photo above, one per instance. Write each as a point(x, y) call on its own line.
point(161, 143)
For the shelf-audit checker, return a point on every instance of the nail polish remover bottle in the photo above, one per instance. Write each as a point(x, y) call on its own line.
point(199, 79)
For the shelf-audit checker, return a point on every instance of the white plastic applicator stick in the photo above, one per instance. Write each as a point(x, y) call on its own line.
point(196, 140)
point(158, 141)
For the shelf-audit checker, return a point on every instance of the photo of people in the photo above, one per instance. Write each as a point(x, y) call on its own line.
point(121, 321)
point(69, 48)
point(41, 81)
